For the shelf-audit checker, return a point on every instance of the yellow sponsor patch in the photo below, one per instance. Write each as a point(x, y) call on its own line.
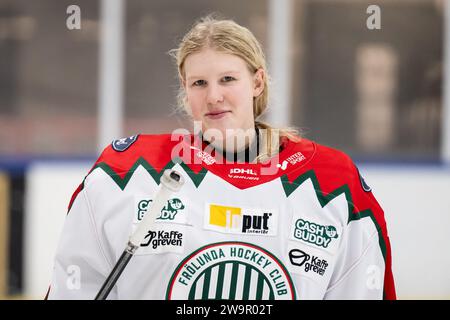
point(240, 220)
point(223, 216)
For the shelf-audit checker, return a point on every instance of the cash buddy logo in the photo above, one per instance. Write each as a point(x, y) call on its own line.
point(167, 213)
point(310, 263)
point(230, 270)
point(240, 220)
point(314, 233)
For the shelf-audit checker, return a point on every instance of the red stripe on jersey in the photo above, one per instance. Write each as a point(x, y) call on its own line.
point(74, 196)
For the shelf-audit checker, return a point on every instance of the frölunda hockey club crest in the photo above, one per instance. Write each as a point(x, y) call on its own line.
point(231, 270)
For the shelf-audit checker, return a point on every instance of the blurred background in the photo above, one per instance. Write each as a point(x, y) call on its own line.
point(367, 77)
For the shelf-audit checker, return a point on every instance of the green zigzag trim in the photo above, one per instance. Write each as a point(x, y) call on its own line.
point(381, 243)
point(289, 188)
point(323, 199)
point(369, 213)
point(196, 178)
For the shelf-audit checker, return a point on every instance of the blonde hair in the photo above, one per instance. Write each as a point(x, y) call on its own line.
point(229, 37)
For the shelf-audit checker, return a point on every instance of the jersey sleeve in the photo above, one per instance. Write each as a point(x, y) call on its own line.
point(80, 265)
point(363, 266)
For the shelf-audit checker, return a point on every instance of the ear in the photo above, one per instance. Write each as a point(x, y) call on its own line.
point(258, 82)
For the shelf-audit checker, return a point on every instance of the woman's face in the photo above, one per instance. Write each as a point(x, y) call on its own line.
point(220, 90)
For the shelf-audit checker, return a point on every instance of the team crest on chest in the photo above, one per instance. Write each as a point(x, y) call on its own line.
point(231, 270)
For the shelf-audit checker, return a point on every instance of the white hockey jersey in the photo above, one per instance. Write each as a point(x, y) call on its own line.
point(301, 226)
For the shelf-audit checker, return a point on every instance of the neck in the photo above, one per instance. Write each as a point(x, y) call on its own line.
point(238, 149)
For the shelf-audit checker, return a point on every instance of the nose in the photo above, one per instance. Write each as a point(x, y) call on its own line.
point(214, 94)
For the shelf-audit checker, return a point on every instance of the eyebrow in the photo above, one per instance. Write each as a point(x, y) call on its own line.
point(222, 73)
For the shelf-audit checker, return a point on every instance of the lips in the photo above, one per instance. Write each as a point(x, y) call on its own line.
point(217, 114)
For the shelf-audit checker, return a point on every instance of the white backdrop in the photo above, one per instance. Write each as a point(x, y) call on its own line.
point(49, 187)
point(416, 202)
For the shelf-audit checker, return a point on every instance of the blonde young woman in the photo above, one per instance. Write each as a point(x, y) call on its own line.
point(264, 213)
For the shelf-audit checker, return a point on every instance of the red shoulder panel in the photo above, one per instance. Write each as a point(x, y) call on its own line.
point(335, 169)
point(155, 149)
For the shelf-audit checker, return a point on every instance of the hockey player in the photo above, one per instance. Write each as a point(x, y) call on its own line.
point(263, 214)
